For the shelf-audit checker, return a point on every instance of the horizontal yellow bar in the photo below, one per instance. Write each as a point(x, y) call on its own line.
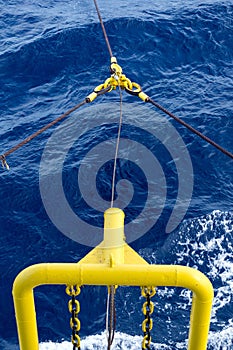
point(129, 275)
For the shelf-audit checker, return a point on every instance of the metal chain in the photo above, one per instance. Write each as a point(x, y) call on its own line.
point(74, 308)
point(147, 309)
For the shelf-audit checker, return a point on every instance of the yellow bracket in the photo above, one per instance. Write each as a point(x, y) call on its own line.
point(113, 250)
point(112, 263)
point(117, 79)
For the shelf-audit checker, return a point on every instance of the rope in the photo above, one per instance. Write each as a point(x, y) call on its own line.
point(111, 324)
point(207, 139)
point(31, 137)
point(117, 149)
point(110, 317)
point(103, 29)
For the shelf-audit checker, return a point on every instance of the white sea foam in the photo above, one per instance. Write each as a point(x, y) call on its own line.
point(98, 342)
point(220, 257)
point(221, 340)
point(205, 243)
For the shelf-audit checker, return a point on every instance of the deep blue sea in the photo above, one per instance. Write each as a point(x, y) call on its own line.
point(175, 189)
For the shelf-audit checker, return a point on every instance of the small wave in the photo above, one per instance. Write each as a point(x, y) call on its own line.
point(98, 342)
point(221, 340)
point(205, 243)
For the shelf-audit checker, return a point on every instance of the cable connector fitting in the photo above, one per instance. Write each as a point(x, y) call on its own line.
point(117, 79)
point(115, 69)
point(99, 90)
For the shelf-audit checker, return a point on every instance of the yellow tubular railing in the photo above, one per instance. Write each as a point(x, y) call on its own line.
point(116, 265)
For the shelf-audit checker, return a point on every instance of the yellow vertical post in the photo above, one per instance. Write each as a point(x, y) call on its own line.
point(25, 315)
point(114, 237)
point(200, 322)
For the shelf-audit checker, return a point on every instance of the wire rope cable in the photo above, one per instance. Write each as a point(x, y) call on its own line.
point(103, 29)
point(110, 317)
point(117, 148)
point(40, 131)
point(111, 311)
point(205, 138)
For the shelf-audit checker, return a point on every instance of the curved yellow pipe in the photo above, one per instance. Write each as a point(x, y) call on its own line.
point(130, 275)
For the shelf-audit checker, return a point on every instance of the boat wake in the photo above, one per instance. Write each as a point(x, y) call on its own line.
point(217, 341)
point(99, 342)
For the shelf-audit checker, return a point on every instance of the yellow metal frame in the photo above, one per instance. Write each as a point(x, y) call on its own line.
point(113, 262)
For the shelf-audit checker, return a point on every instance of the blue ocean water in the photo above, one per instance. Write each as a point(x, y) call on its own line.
point(52, 56)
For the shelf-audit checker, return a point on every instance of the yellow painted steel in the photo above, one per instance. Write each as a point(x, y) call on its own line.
point(144, 97)
point(107, 265)
point(116, 79)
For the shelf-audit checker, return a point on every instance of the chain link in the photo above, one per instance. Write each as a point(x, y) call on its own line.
point(147, 309)
point(74, 309)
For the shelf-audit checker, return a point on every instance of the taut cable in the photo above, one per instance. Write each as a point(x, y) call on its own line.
point(103, 29)
point(207, 139)
point(117, 149)
point(31, 137)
